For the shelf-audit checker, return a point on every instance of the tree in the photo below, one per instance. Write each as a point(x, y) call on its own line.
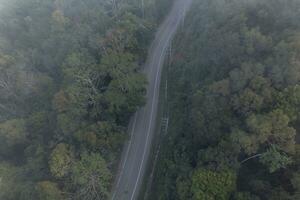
point(126, 90)
point(289, 100)
point(90, 177)
point(61, 160)
point(8, 178)
point(210, 185)
point(247, 102)
point(60, 101)
point(48, 191)
point(13, 131)
point(18, 84)
point(272, 128)
point(274, 159)
point(256, 43)
point(12, 134)
point(13, 184)
point(221, 156)
point(296, 184)
point(104, 136)
point(183, 188)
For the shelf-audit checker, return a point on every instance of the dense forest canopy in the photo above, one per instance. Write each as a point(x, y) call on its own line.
point(234, 97)
point(69, 81)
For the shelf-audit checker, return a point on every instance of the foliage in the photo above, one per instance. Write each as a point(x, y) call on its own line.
point(274, 159)
point(91, 175)
point(233, 99)
point(13, 132)
point(61, 160)
point(48, 191)
point(70, 79)
point(212, 185)
point(13, 185)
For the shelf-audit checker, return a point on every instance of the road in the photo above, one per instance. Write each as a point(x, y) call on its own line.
point(142, 126)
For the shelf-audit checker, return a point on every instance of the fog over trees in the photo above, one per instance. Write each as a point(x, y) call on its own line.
point(69, 81)
point(234, 98)
point(71, 78)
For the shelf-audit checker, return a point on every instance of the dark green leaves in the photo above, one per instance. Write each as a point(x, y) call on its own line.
point(274, 159)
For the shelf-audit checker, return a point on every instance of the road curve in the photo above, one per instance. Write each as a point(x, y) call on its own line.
point(142, 125)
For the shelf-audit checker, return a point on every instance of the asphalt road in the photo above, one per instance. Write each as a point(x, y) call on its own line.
point(142, 126)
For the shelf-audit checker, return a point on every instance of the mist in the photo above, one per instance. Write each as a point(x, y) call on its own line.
point(70, 79)
point(149, 99)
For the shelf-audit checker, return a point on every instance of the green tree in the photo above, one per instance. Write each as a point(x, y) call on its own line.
point(210, 185)
point(105, 137)
point(13, 184)
point(12, 133)
point(61, 160)
point(126, 90)
point(274, 159)
point(91, 177)
point(48, 191)
point(272, 128)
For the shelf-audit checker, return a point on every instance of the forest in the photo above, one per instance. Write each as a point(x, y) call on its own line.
point(70, 78)
point(234, 104)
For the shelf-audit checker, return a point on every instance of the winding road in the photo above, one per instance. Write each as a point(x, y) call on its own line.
point(142, 126)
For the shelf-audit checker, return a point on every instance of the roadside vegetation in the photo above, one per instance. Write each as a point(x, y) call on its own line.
point(69, 81)
point(234, 99)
